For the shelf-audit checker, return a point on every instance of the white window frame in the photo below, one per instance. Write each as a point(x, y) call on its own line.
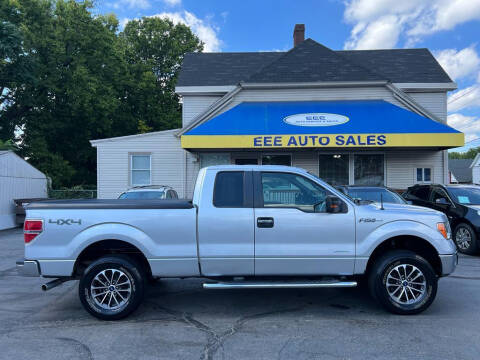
point(131, 170)
point(416, 181)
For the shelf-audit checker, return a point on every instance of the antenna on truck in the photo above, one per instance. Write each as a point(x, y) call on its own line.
point(381, 202)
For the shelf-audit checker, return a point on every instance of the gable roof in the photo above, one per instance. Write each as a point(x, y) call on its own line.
point(461, 169)
point(311, 61)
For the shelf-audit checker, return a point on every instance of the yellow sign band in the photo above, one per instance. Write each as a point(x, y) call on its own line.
point(447, 140)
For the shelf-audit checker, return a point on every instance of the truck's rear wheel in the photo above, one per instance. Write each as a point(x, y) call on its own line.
point(112, 287)
point(403, 282)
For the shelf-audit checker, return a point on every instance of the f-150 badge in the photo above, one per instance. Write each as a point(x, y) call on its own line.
point(65, 221)
point(369, 220)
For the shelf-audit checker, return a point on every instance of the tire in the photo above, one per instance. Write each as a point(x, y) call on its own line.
point(128, 278)
point(465, 239)
point(395, 297)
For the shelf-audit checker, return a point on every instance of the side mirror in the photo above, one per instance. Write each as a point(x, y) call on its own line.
point(441, 201)
point(333, 204)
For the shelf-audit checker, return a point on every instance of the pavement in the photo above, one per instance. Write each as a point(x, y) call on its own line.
point(180, 320)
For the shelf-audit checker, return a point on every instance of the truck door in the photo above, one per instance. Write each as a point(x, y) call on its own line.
point(225, 224)
point(293, 233)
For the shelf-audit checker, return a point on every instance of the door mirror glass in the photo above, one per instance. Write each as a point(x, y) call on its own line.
point(442, 201)
point(333, 204)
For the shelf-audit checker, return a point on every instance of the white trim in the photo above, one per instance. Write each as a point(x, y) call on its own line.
point(427, 87)
point(318, 84)
point(216, 106)
point(127, 137)
point(409, 102)
point(204, 90)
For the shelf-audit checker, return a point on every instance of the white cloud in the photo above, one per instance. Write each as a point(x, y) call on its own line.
point(465, 98)
point(470, 125)
point(459, 64)
point(379, 23)
point(132, 4)
point(172, 2)
point(205, 31)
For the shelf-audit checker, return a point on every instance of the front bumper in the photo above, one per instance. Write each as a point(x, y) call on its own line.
point(28, 268)
point(449, 263)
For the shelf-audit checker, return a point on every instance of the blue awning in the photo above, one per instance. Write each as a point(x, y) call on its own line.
point(365, 123)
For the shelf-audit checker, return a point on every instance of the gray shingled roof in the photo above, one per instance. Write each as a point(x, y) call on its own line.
point(311, 61)
point(460, 168)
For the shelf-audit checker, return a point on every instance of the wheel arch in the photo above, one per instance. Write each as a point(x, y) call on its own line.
point(413, 243)
point(98, 249)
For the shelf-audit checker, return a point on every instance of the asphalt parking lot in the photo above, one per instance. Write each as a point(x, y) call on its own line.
point(180, 320)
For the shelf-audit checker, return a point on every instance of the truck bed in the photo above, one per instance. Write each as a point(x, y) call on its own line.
point(111, 204)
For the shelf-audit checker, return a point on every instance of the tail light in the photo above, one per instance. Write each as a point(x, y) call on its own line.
point(31, 229)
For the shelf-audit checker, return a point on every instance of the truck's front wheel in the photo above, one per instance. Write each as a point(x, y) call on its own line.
point(403, 282)
point(112, 287)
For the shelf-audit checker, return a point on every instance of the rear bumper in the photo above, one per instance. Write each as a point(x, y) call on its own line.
point(28, 268)
point(449, 263)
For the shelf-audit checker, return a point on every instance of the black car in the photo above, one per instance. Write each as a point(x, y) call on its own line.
point(461, 204)
point(372, 193)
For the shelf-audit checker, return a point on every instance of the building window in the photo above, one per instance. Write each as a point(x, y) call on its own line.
point(369, 169)
point(210, 159)
point(277, 160)
point(141, 169)
point(423, 175)
point(333, 168)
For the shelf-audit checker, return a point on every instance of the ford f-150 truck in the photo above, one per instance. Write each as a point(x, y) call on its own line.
point(246, 227)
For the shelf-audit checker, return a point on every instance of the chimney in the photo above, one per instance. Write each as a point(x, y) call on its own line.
point(298, 34)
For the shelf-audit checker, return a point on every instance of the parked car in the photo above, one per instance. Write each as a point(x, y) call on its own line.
point(372, 193)
point(150, 192)
point(236, 234)
point(461, 204)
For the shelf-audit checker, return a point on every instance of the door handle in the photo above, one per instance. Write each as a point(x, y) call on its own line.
point(265, 222)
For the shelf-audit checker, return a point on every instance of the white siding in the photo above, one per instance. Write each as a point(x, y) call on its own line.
point(476, 175)
point(401, 165)
point(18, 179)
point(435, 102)
point(113, 158)
point(193, 105)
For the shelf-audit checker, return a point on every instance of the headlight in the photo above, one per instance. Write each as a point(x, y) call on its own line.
point(444, 229)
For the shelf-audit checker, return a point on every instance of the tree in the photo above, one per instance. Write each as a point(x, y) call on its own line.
point(84, 81)
point(8, 145)
point(470, 154)
point(154, 51)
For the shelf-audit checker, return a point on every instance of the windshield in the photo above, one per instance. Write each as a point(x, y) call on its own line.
point(374, 195)
point(466, 196)
point(143, 195)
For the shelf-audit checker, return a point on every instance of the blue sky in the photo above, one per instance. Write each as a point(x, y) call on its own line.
point(449, 28)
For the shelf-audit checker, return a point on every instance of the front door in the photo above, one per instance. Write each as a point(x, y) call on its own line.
point(293, 233)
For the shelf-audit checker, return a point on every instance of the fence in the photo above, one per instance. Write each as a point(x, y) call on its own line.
point(72, 194)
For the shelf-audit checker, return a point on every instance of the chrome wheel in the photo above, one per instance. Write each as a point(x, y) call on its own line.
point(406, 284)
point(463, 238)
point(111, 289)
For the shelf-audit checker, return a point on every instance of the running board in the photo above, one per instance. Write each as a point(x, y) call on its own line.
point(278, 284)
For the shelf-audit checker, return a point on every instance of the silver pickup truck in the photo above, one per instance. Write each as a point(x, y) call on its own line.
point(246, 227)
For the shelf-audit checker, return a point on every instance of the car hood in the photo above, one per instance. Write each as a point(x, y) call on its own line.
point(406, 208)
point(474, 207)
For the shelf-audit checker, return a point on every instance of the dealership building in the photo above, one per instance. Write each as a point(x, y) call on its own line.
point(365, 117)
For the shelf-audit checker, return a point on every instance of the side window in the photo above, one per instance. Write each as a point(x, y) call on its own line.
point(229, 189)
point(438, 194)
point(169, 194)
point(291, 190)
point(421, 193)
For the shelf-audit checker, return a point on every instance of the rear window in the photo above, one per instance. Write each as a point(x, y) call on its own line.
point(420, 192)
point(229, 190)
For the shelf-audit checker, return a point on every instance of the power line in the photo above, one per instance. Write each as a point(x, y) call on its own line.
point(459, 97)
